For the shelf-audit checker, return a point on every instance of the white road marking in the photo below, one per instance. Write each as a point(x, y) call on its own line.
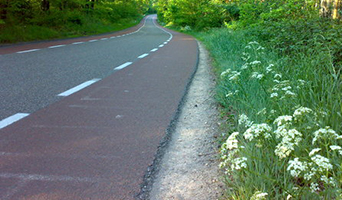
point(153, 50)
point(123, 66)
point(39, 177)
point(57, 46)
point(161, 45)
point(78, 43)
point(104, 39)
point(78, 88)
point(93, 40)
point(27, 51)
point(112, 37)
point(165, 42)
point(10, 120)
point(143, 56)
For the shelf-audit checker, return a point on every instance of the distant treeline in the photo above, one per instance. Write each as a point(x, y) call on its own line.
point(70, 17)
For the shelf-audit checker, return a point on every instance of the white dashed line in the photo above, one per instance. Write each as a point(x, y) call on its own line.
point(57, 46)
point(123, 66)
point(78, 43)
point(104, 39)
point(27, 51)
point(10, 120)
point(78, 88)
point(153, 50)
point(112, 37)
point(143, 56)
point(161, 45)
point(93, 40)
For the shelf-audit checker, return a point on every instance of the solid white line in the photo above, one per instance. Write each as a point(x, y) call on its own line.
point(78, 88)
point(10, 120)
point(57, 46)
point(93, 40)
point(153, 50)
point(38, 177)
point(27, 51)
point(123, 66)
point(143, 56)
point(78, 43)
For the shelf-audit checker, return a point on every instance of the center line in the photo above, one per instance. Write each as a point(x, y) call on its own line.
point(143, 56)
point(123, 66)
point(56, 46)
point(10, 120)
point(78, 88)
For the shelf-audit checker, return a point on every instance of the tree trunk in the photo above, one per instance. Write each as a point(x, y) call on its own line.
point(45, 5)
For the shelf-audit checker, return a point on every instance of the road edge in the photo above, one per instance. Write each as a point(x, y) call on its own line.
point(153, 169)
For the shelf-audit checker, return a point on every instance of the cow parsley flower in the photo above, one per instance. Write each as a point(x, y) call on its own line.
point(322, 162)
point(255, 62)
point(283, 150)
point(232, 142)
point(258, 195)
point(234, 75)
point(269, 68)
point(300, 112)
point(257, 130)
point(277, 76)
point(283, 120)
point(239, 163)
point(314, 151)
point(273, 95)
point(243, 120)
point(296, 167)
point(324, 133)
point(224, 73)
point(314, 187)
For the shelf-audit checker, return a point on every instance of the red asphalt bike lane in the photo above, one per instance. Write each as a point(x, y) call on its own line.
point(98, 142)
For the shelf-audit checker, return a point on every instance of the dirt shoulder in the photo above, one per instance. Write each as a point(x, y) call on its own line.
point(189, 168)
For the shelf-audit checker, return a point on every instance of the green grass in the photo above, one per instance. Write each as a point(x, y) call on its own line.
point(306, 77)
point(31, 32)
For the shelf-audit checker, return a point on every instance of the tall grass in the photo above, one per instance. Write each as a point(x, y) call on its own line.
point(284, 140)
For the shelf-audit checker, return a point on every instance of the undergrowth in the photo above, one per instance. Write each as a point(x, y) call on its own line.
point(280, 88)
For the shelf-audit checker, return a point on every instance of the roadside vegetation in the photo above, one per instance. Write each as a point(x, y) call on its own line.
point(27, 20)
point(279, 85)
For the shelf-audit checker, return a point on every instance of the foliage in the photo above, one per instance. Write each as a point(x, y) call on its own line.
point(59, 18)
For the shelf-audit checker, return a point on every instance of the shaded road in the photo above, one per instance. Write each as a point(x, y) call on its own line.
point(98, 142)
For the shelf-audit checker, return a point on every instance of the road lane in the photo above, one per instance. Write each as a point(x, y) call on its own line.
point(98, 142)
point(30, 81)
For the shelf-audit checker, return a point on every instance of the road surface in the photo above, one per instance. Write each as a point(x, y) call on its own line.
point(83, 118)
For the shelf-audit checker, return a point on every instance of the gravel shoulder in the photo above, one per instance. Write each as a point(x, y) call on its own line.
point(189, 167)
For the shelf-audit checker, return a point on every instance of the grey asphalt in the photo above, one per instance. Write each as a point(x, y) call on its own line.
point(33, 80)
point(103, 141)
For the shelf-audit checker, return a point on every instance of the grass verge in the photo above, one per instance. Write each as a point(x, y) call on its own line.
point(284, 113)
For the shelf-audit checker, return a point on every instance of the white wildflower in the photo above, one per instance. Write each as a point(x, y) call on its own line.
point(224, 73)
point(277, 76)
point(257, 130)
point(229, 94)
point(322, 162)
point(324, 133)
point(291, 94)
point(335, 147)
point(283, 120)
point(245, 66)
point(239, 163)
point(256, 62)
point(314, 151)
point(296, 167)
point(253, 42)
point(262, 112)
point(283, 150)
point(298, 113)
point(260, 48)
point(269, 68)
point(232, 142)
point(287, 88)
point(248, 47)
point(289, 197)
point(234, 75)
point(243, 120)
point(259, 195)
point(314, 187)
point(273, 95)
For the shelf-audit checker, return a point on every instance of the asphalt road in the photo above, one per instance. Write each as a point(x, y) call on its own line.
point(96, 140)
